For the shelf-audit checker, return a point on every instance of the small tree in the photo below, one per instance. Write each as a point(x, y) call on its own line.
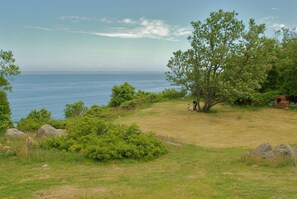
point(121, 94)
point(225, 61)
point(7, 70)
point(74, 110)
point(5, 114)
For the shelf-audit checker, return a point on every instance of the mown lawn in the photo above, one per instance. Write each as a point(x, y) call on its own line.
point(203, 160)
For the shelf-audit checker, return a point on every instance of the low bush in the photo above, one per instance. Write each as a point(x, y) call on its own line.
point(258, 99)
point(263, 99)
point(140, 100)
point(34, 120)
point(74, 110)
point(173, 93)
point(121, 94)
point(105, 141)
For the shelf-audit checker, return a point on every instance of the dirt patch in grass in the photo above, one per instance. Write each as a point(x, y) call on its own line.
point(226, 126)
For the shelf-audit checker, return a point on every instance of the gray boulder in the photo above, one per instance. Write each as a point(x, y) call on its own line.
point(15, 134)
point(285, 151)
point(49, 131)
point(266, 152)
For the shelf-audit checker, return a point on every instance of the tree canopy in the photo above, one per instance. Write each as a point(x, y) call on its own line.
point(7, 69)
point(225, 61)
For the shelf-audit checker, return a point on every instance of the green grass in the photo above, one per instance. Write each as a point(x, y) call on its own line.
point(186, 171)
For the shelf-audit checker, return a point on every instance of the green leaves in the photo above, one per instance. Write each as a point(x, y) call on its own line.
point(121, 94)
point(7, 69)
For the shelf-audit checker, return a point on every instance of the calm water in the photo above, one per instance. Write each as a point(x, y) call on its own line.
point(53, 90)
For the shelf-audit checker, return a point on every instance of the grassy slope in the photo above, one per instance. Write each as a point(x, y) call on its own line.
point(224, 127)
point(187, 171)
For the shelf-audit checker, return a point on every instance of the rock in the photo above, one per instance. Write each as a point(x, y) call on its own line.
point(15, 134)
point(285, 151)
point(49, 131)
point(266, 152)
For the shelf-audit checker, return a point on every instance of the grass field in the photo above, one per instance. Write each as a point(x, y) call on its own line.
point(203, 160)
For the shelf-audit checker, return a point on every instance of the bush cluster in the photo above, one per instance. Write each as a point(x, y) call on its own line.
point(141, 99)
point(173, 93)
point(258, 99)
point(34, 120)
point(105, 141)
point(121, 94)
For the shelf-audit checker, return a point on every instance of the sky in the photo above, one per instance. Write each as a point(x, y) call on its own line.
point(117, 35)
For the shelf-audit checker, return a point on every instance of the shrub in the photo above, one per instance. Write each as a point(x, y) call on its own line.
point(262, 99)
point(5, 114)
point(121, 94)
point(104, 141)
point(34, 120)
point(140, 100)
point(258, 99)
point(173, 93)
point(74, 110)
point(95, 111)
point(58, 124)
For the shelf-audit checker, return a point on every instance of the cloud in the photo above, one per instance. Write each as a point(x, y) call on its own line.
point(278, 26)
point(275, 9)
point(75, 19)
point(39, 28)
point(144, 28)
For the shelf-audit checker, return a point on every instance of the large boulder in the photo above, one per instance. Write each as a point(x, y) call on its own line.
point(15, 134)
point(266, 152)
point(49, 131)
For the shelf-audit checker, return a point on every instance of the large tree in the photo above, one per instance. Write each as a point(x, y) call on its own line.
point(288, 62)
point(225, 62)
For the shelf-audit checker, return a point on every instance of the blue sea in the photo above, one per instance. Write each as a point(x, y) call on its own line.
point(32, 90)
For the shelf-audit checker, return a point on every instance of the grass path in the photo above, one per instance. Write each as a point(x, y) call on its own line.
point(225, 127)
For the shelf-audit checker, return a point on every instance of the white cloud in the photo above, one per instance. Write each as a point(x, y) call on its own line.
point(39, 28)
point(144, 28)
point(75, 19)
point(278, 26)
point(275, 9)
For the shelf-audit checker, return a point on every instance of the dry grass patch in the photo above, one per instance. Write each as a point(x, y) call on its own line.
point(226, 126)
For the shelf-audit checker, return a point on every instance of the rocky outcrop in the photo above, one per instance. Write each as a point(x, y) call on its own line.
point(49, 131)
point(15, 134)
point(266, 152)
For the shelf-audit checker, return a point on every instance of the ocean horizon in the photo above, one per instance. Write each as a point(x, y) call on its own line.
point(54, 89)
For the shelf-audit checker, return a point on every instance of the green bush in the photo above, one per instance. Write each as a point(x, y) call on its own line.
point(104, 141)
point(58, 124)
point(121, 94)
point(173, 93)
point(258, 99)
point(34, 120)
point(95, 111)
point(74, 110)
point(140, 100)
point(5, 114)
point(263, 99)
